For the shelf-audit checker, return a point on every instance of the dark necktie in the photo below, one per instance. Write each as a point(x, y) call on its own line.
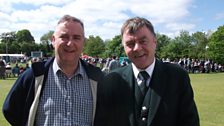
point(143, 85)
point(143, 109)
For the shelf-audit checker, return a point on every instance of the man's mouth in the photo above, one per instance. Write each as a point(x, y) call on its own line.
point(139, 55)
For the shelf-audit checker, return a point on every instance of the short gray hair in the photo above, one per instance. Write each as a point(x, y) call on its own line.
point(133, 24)
point(70, 18)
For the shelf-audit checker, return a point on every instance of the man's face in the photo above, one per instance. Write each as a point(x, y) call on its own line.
point(68, 41)
point(140, 47)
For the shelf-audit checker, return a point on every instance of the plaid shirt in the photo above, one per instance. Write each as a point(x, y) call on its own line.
point(65, 101)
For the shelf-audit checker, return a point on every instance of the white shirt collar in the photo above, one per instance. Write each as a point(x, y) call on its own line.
point(80, 69)
point(149, 69)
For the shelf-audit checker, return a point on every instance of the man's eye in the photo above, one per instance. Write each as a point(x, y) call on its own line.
point(77, 37)
point(130, 44)
point(143, 41)
point(64, 37)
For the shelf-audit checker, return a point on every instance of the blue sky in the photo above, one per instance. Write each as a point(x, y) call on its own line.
point(210, 14)
point(105, 17)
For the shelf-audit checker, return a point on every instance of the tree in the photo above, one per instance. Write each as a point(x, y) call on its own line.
point(46, 40)
point(8, 37)
point(7, 40)
point(24, 36)
point(94, 46)
point(26, 48)
point(171, 50)
point(184, 44)
point(114, 47)
point(15, 48)
point(162, 42)
point(216, 45)
point(200, 41)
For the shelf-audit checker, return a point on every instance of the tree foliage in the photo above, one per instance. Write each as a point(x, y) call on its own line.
point(162, 42)
point(8, 37)
point(24, 36)
point(46, 40)
point(114, 47)
point(94, 46)
point(216, 46)
point(199, 41)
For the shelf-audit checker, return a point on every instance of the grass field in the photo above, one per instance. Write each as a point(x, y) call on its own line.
point(209, 97)
point(208, 92)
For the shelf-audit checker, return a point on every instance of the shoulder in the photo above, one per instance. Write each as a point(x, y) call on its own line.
point(123, 70)
point(92, 72)
point(40, 68)
point(170, 67)
point(171, 71)
point(120, 74)
point(37, 69)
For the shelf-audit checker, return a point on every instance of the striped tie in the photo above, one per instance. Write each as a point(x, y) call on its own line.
point(143, 85)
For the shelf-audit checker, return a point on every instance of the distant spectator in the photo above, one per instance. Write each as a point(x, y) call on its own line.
point(27, 67)
point(113, 64)
point(2, 69)
point(8, 70)
point(15, 70)
point(124, 63)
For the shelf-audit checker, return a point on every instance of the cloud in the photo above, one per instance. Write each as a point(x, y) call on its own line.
point(180, 26)
point(103, 18)
point(219, 16)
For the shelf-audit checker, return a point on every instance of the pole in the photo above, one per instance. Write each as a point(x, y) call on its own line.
point(6, 47)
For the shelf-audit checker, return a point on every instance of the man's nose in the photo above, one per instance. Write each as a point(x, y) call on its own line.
point(70, 41)
point(137, 46)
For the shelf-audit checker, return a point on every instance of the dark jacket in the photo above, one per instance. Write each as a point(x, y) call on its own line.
point(171, 100)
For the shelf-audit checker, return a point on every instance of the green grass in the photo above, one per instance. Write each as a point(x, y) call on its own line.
point(209, 97)
point(208, 92)
point(5, 86)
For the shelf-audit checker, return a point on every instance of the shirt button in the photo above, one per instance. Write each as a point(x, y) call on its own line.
point(143, 119)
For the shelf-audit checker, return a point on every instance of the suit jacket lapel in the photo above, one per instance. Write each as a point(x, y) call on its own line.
point(129, 76)
point(154, 104)
point(157, 86)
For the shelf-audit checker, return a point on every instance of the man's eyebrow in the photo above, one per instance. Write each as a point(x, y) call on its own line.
point(141, 38)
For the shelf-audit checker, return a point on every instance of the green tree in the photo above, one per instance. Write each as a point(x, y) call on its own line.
point(7, 40)
point(199, 41)
point(24, 36)
point(46, 40)
point(216, 45)
point(26, 48)
point(184, 44)
point(162, 42)
point(15, 48)
point(44, 49)
point(2, 47)
point(8, 37)
point(115, 47)
point(171, 50)
point(94, 46)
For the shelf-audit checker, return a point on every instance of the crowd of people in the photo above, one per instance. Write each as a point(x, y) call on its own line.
point(108, 64)
point(197, 65)
point(190, 64)
point(8, 70)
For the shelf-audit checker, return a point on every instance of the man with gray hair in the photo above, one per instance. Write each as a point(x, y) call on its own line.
point(61, 91)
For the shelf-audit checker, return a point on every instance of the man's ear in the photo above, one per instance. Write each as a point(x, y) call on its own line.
point(53, 40)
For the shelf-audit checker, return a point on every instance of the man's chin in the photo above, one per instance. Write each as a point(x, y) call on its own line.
point(141, 65)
